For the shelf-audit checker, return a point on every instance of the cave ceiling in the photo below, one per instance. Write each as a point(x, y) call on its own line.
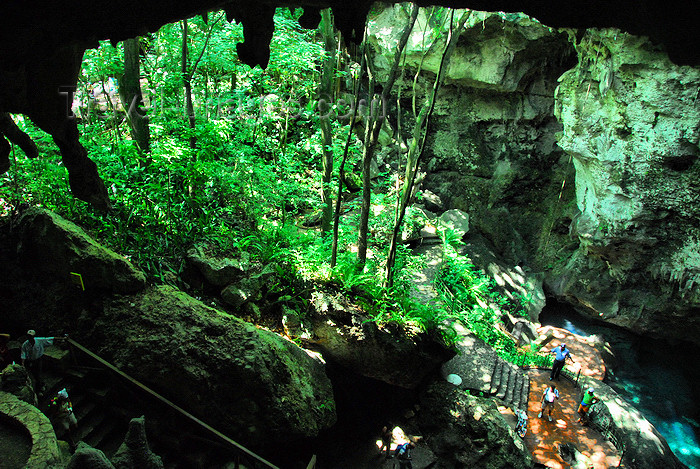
point(42, 44)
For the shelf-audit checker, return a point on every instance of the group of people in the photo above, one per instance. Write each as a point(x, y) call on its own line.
point(31, 358)
point(551, 393)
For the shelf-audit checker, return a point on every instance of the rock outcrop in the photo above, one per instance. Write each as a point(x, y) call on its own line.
point(15, 380)
point(135, 452)
point(344, 335)
point(630, 122)
point(52, 246)
point(468, 431)
point(492, 153)
point(247, 382)
point(87, 457)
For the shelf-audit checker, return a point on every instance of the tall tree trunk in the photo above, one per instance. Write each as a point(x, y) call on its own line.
point(374, 125)
point(341, 175)
point(326, 92)
point(415, 149)
point(131, 96)
point(187, 83)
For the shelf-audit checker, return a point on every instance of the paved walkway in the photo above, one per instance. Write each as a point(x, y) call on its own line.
point(583, 351)
point(544, 437)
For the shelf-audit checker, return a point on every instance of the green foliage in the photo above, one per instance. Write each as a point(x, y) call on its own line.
point(255, 169)
point(473, 299)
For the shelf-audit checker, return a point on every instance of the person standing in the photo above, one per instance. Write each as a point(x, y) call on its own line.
point(587, 401)
point(550, 395)
point(386, 441)
point(561, 354)
point(31, 355)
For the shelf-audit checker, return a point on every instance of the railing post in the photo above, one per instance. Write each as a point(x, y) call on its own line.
point(312, 463)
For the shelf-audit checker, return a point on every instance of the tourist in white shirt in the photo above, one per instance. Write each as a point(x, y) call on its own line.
point(31, 353)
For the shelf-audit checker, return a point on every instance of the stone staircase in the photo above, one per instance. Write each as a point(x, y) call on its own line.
point(482, 370)
point(98, 424)
point(510, 384)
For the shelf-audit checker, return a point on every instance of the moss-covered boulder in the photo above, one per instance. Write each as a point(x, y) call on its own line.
point(345, 335)
point(247, 382)
point(468, 431)
point(52, 246)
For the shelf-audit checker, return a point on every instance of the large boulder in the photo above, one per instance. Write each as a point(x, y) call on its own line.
point(53, 246)
point(217, 270)
point(468, 431)
point(248, 382)
point(345, 335)
point(87, 457)
point(630, 122)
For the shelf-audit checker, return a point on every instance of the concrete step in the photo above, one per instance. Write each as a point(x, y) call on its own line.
point(82, 409)
point(509, 387)
point(517, 392)
point(503, 386)
point(57, 359)
point(513, 394)
point(496, 377)
point(101, 433)
point(89, 423)
point(525, 392)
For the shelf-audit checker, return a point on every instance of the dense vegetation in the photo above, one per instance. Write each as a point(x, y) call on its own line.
point(237, 159)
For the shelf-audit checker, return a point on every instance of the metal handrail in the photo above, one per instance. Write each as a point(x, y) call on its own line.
point(172, 405)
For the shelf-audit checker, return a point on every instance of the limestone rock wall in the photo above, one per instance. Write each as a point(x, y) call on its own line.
point(575, 153)
point(492, 149)
point(632, 125)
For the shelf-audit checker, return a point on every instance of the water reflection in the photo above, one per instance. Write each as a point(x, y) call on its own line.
point(658, 378)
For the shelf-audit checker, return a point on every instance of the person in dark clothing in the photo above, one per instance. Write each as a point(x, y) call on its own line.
point(386, 441)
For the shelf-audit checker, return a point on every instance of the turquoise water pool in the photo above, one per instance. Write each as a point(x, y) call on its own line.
point(660, 379)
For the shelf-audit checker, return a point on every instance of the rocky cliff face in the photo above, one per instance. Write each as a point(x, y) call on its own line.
point(492, 149)
point(632, 124)
point(574, 156)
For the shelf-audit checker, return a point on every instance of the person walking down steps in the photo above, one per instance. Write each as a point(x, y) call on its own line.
point(549, 397)
point(561, 354)
point(61, 409)
point(31, 355)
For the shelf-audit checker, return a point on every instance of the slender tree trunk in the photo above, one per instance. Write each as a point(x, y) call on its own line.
point(374, 125)
point(113, 108)
point(415, 149)
point(326, 92)
point(341, 175)
point(187, 82)
point(132, 99)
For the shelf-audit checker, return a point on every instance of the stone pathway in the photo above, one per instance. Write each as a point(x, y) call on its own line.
point(588, 360)
point(544, 437)
point(424, 292)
